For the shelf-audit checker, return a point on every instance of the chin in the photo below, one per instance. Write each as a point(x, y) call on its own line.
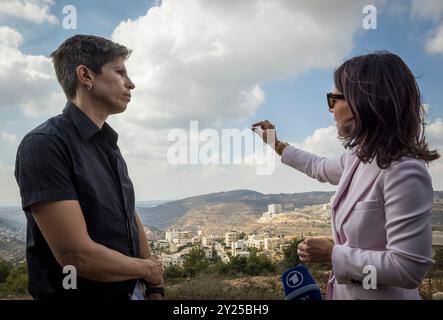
point(119, 109)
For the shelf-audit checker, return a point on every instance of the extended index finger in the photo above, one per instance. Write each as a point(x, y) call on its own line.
point(257, 124)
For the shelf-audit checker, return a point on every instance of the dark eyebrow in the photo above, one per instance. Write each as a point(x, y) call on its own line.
point(121, 67)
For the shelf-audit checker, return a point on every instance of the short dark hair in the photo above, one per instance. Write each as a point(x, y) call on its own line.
point(88, 50)
point(386, 103)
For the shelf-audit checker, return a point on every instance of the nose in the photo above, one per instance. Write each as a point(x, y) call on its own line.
point(130, 85)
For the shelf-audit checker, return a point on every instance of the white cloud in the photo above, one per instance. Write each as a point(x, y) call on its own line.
point(434, 44)
point(427, 9)
point(434, 133)
point(10, 37)
point(160, 180)
point(323, 142)
point(430, 10)
point(185, 180)
point(206, 61)
point(10, 194)
point(36, 11)
point(434, 136)
point(27, 81)
point(8, 137)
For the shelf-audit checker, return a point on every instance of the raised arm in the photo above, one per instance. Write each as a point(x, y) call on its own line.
point(320, 168)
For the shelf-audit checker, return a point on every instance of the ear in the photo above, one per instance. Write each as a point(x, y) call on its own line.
point(85, 76)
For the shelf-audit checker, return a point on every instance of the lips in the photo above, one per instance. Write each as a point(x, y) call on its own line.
point(127, 96)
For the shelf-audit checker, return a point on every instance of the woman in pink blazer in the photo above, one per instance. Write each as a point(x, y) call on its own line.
point(381, 212)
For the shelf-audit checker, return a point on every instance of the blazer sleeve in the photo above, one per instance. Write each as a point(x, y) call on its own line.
point(320, 168)
point(408, 199)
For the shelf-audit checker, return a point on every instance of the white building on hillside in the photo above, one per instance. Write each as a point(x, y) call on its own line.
point(259, 244)
point(161, 244)
point(273, 211)
point(239, 246)
point(208, 252)
point(274, 208)
point(272, 243)
point(243, 254)
point(207, 241)
point(170, 235)
point(231, 237)
point(182, 238)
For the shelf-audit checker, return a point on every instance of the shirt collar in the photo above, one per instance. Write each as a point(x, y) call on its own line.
point(110, 133)
point(85, 126)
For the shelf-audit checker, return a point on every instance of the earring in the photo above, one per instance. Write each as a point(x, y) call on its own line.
point(90, 86)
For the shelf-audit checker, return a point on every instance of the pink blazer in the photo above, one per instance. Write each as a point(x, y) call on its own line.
point(383, 220)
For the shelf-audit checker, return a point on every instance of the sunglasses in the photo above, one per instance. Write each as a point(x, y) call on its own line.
point(332, 97)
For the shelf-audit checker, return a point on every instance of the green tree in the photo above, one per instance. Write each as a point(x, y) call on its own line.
point(5, 270)
point(238, 264)
point(290, 254)
point(173, 272)
point(195, 262)
point(259, 264)
point(215, 257)
point(254, 265)
point(219, 267)
point(438, 257)
point(17, 281)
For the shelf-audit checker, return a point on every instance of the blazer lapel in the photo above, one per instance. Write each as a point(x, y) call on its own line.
point(364, 182)
point(343, 185)
point(342, 188)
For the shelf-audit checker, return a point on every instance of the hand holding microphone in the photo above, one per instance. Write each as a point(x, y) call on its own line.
point(299, 284)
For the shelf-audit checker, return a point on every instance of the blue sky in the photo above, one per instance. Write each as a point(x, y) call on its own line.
point(289, 90)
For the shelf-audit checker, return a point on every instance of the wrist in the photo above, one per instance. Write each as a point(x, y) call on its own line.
point(155, 293)
point(280, 147)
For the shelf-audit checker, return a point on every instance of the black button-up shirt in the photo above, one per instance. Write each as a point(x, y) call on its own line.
point(69, 158)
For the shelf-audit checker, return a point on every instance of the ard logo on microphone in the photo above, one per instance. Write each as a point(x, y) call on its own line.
point(298, 284)
point(294, 279)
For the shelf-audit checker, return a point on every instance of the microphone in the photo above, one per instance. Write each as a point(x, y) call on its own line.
point(299, 284)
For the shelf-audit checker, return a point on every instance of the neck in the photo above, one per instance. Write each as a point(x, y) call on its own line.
point(92, 109)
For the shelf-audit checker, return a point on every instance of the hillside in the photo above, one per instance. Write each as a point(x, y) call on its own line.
point(238, 206)
point(241, 209)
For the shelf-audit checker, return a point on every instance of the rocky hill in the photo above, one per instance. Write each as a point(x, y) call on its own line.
point(241, 210)
point(231, 208)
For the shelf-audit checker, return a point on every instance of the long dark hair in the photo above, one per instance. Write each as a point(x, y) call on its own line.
point(388, 112)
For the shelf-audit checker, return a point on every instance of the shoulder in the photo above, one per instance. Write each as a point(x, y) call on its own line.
point(347, 158)
point(408, 176)
point(407, 166)
point(50, 132)
point(46, 142)
point(53, 126)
